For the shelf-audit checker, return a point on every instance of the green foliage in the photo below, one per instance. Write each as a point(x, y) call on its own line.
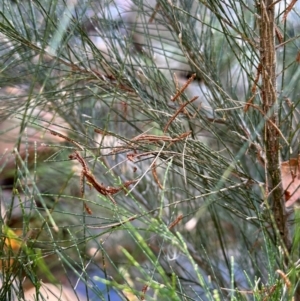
point(169, 194)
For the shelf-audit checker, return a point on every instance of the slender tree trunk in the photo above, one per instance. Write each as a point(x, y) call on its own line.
point(270, 108)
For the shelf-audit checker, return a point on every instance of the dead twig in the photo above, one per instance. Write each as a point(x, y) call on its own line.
point(102, 132)
point(156, 8)
point(179, 92)
point(298, 57)
point(54, 133)
point(284, 278)
point(176, 221)
point(155, 138)
point(155, 176)
point(178, 112)
point(288, 9)
point(278, 34)
point(107, 191)
point(249, 103)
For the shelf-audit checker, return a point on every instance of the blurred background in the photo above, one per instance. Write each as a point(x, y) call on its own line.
point(132, 151)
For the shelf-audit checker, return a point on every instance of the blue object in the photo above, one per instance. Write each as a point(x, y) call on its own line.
point(93, 288)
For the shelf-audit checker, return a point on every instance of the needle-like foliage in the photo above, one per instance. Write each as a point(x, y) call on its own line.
point(149, 150)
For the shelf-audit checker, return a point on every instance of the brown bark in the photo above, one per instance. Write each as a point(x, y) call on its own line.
point(269, 106)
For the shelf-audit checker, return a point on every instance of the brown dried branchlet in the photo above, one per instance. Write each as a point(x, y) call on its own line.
point(176, 82)
point(132, 156)
point(54, 133)
point(288, 9)
point(155, 138)
point(144, 290)
point(285, 278)
point(155, 176)
point(278, 34)
point(179, 110)
point(150, 138)
point(176, 221)
point(180, 91)
point(156, 8)
point(102, 132)
point(269, 292)
point(249, 103)
point(298, 57)
point(180, 137)
point(106, 191)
